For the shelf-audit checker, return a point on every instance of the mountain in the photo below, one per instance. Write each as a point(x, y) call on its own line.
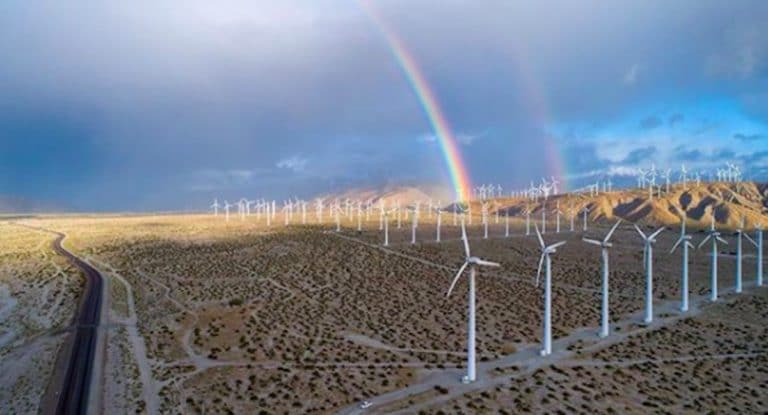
point(406, 195)
point(728, 203)
point(15, 204)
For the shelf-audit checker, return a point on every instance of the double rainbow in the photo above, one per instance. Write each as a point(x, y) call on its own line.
point(448, 144)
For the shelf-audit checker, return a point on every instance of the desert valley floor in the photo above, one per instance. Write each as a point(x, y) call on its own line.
point(208, 316)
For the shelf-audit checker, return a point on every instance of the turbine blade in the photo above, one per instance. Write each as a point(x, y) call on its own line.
point(749, 238)
point(538, 272)
point(703, 241)
point(556, 245)
point(538, 234)
point(639, 231)
point(721, 240)
point(690, 245)
point(613, 229)
point(464, 238)
point(592, 241)
point(658, 231)
point(456, 279)
point(487, 263)
point(679, 241)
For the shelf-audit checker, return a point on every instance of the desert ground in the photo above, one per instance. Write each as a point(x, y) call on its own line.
point(214, 316)
point(38, 294)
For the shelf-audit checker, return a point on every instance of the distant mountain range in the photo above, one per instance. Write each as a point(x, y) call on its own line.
point(728, 203)
point(392, 194)
point(14, 204)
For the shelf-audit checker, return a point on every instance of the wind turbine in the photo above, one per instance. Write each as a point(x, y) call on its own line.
point(739, 233)
point(685, 242)
point(527, 219)
point(439, 214)
point(715, 237)
point(546, 260)
point(605, 245)
point(557, 215)
point(506, 224)
point(544, 217)
point(648, 260)
point(471, 262)
point(215, 207)
point(386, 227)
point(759, 245)
point(226, 209)
point(414, 225)
point(585, 211)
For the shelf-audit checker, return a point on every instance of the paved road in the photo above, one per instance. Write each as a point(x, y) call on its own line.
point(75, 387)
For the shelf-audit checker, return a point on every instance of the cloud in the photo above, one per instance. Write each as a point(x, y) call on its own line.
point(296, 163)
point(462, 138)
point(683, 153)
point(630, 76)
point(145, 94)
point(748, 137)
point(650, 122)
point(640, 154)
point(675, 119)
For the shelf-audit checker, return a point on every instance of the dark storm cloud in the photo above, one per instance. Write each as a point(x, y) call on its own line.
point(748, 137)
point(164, 104)
point(683, 153)
point(650, 123)
point(675, 119)
point(639, 155)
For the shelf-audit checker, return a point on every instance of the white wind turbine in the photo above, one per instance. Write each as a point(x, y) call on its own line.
point(557, 216)
point(685, 242)
point(506, 223)
point(439, 213)
point(359, 216)
point(714, 235)
point(386, 225)
point(572, 214)
point(226, 209)
point(648, 262)
point(739, 234)
point(544, 217)
point(527, 219)
point(605, 245)
point(472, 262)
point(546, 260)
point(484, 212)
point(414, 225)
point(585, 211)
point(215, 206)
point(758, 243)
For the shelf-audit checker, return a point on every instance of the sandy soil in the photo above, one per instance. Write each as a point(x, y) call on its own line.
point(38, 295)
point(216, 317)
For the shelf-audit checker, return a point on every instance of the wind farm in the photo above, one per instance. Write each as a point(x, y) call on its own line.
point(211, 313)
point(383, 207)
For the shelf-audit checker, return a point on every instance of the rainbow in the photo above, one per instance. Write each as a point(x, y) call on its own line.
point(461, 182)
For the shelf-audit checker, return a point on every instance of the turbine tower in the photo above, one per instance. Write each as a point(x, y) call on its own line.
point(215, 206)
point(685, 242)
point(471, 262)
point(605, 245)
point(546, 252)
point(585, 211)
point(715, 237)
point(648, 262)
point(739, 233)
point(758, 243)
point(439, 222)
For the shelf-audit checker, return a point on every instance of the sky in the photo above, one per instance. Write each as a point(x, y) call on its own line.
point(166, 104)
